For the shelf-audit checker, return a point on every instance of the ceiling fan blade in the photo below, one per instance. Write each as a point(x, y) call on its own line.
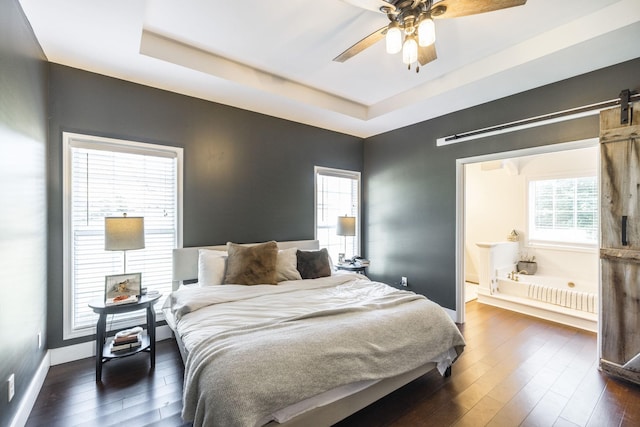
point(456, 8)
point(372, 5)
point(366, 42)
point(427, 54)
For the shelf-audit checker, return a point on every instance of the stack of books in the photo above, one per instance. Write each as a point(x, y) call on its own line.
point(127, 340)
point(121, 299)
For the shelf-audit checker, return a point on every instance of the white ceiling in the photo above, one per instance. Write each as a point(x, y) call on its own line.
point(276, 57)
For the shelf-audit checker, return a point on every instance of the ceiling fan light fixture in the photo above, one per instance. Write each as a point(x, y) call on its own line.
point(410, 50)
point(411, 25)
point(394, 38)
point(426, 32)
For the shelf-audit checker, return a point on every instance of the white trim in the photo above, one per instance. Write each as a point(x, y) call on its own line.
point(70, 140)
point(460, 205)
point(453, 314)
point(58, 356)
point(459, 245)
point(541, 310)
point(587, 249)
point(31, 395)
point(87, 349)
point(530, 202)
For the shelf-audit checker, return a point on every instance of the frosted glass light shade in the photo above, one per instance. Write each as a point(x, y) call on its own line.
point(394, 39)
point(426, 32)
point(410, 51)
point(346, 226)
point(123, 233)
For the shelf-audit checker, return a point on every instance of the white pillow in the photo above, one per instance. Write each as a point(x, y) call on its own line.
point(287, 265)
point(212, 266)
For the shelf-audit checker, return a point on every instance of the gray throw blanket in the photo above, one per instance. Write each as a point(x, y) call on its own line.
point(240, 376)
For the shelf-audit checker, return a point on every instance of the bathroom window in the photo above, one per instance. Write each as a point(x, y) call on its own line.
point(564, 211)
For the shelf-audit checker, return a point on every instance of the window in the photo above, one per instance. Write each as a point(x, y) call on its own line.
point(564, 211)
point(337, 194)
point(106, 177)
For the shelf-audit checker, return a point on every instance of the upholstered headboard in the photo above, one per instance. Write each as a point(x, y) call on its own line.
point(185, 260)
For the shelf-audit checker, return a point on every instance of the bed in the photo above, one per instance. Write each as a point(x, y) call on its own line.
point(304, 351)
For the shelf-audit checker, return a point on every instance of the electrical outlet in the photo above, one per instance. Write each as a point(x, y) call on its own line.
point(11, 389)
point(404, 282)
point(39, 340)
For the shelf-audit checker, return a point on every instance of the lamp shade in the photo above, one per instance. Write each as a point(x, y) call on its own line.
point(123, 233)
point(346, 226)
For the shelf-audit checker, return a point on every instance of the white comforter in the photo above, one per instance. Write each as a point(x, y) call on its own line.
point(256, 349)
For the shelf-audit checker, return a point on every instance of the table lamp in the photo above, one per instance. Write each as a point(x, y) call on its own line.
point(123, 234)
point(346, 227)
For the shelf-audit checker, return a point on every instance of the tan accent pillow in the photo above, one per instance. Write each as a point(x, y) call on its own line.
point(286, 266)
point(251, 265)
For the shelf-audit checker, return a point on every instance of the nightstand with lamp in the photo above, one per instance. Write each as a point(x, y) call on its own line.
point(346, 227)
point(123, 234)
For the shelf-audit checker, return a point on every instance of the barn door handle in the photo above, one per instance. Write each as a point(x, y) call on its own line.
point(624, 231)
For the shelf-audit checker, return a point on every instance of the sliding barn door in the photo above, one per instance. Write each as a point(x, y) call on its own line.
point(620, 244)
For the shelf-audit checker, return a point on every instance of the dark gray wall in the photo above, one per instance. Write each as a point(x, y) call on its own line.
point(410, 184)
point(247, 177)
point(23, 257)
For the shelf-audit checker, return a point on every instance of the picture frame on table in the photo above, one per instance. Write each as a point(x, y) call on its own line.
point(122, 288)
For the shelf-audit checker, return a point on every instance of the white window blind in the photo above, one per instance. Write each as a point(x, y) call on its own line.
point(109, 179)
point(337, 194)
point(564, 211)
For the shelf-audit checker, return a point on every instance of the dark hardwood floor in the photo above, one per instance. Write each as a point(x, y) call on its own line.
point(128, 395)
point(515, 371)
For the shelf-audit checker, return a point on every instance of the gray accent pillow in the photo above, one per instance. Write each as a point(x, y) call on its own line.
point(313, 264)
point(251, 265)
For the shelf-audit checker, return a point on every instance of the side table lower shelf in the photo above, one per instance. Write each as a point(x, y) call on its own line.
point(103, 345)
point(107, 354)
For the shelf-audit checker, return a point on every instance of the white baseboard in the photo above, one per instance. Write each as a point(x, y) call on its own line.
point(473, 278)
point(88, 349)
point(30, 397)
point(58, 356)
point(541, 310)
point(452, 313)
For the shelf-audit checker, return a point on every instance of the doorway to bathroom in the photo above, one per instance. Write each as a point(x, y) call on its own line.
point(498, 202)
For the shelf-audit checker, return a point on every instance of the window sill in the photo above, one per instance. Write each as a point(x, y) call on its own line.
point(566, 247)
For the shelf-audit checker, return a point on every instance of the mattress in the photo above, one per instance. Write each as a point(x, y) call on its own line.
point(198, 314)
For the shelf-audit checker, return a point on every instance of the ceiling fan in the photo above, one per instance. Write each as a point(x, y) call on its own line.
point(411, 29)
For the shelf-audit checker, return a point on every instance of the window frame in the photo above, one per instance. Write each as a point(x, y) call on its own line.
point(73, 140)
point(562, 245)
point(339, 173)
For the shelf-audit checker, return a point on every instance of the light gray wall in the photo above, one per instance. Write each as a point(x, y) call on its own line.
point(23, 251)
point(247, 177)
point(410, 184)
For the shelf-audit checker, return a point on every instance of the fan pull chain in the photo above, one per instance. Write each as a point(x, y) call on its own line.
point(417, 68)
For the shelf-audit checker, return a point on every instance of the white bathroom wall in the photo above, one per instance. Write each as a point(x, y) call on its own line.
point(493, 206)
point(495, 203)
